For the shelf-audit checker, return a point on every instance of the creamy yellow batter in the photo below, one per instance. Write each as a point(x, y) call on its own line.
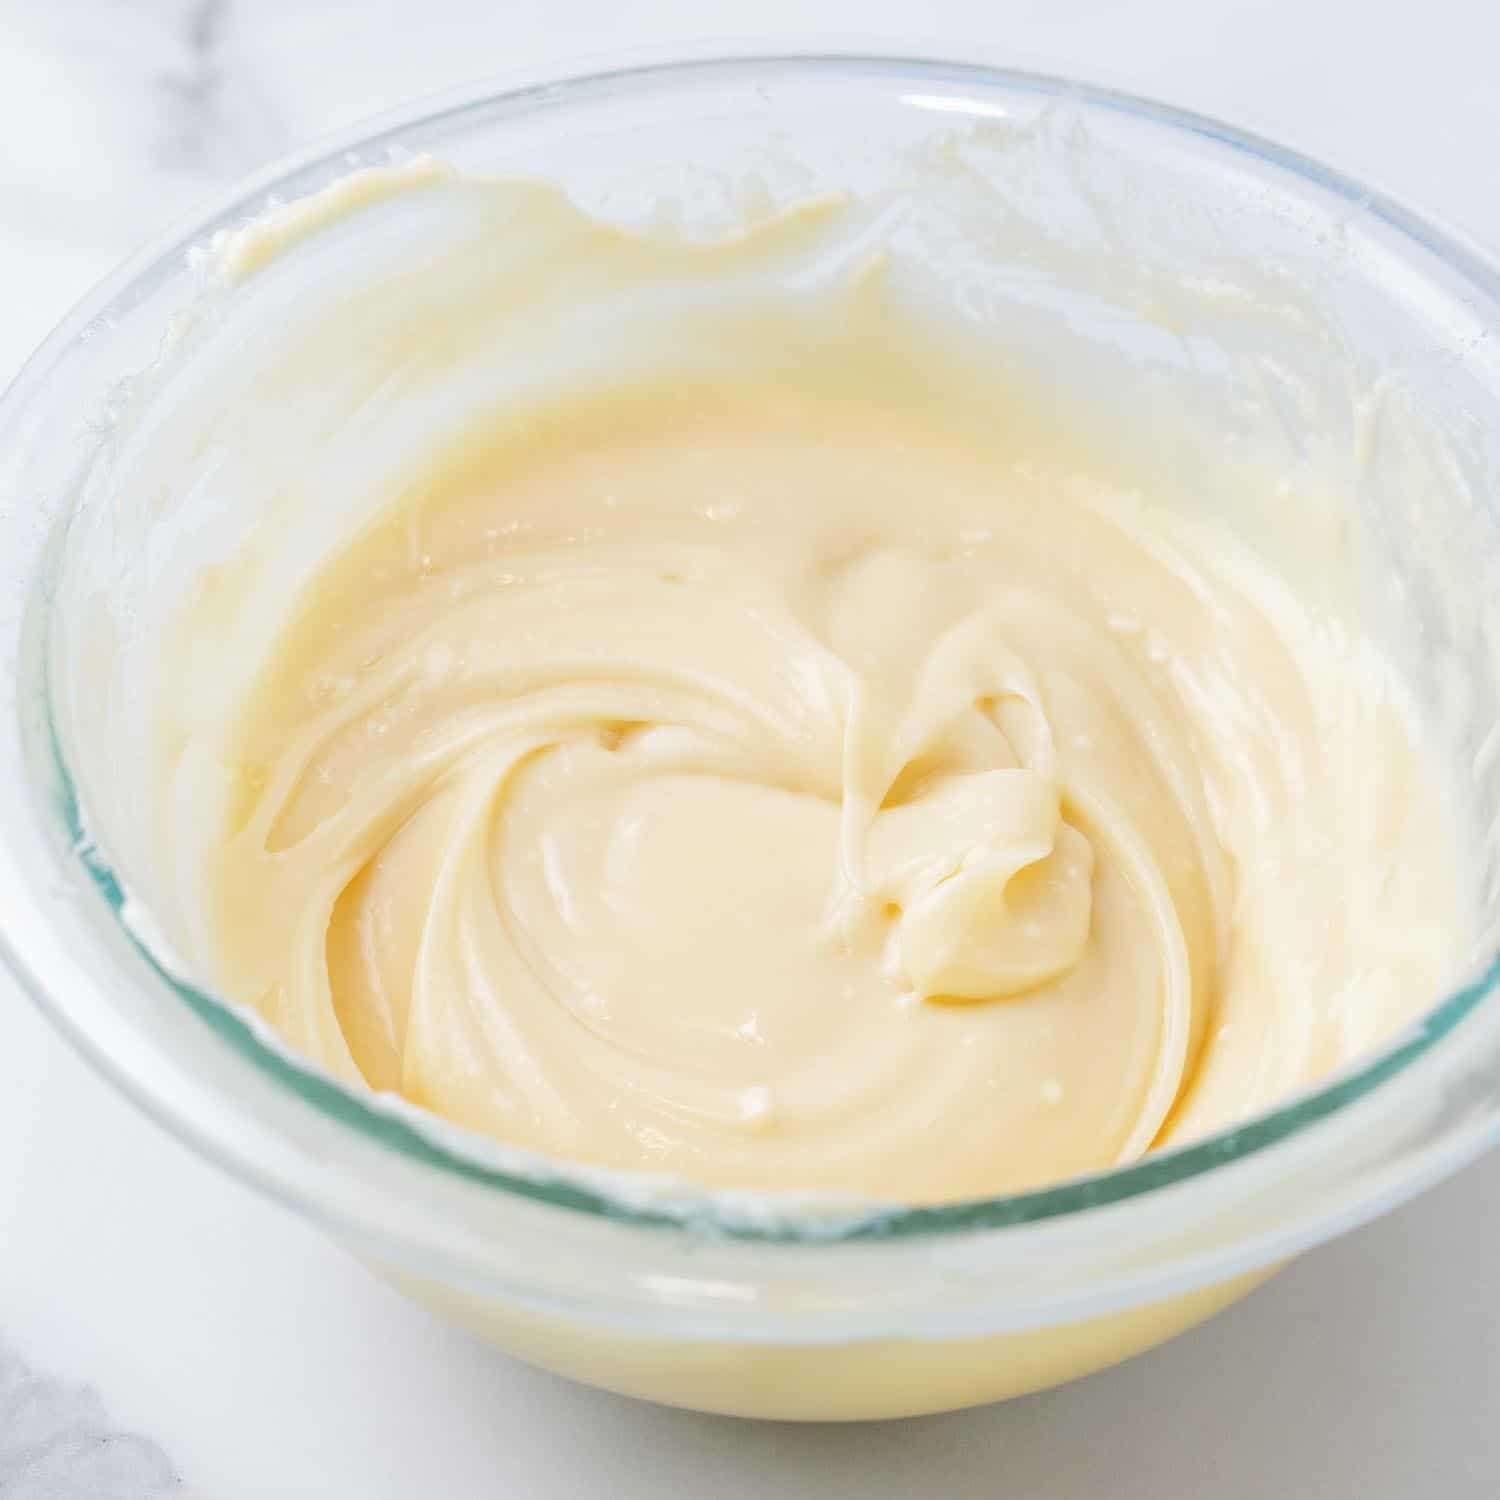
point(725, 730)
point(773, 785)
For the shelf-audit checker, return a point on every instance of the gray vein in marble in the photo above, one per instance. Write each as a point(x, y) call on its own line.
point(213, 119)
point(57, 1443)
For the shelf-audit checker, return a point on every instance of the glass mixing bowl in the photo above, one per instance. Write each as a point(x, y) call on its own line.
point(1198, 266)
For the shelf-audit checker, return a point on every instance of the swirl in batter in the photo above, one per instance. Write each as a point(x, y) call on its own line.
point(772, 786)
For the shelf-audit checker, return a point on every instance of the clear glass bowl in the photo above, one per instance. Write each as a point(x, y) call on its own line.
point(1382, 345)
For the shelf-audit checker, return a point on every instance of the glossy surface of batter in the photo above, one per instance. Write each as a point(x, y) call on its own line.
point(761, 779)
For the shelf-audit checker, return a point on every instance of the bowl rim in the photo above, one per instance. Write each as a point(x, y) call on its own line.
point(585, 1191)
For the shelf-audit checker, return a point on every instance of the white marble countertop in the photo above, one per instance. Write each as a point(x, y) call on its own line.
point(227, 1349)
